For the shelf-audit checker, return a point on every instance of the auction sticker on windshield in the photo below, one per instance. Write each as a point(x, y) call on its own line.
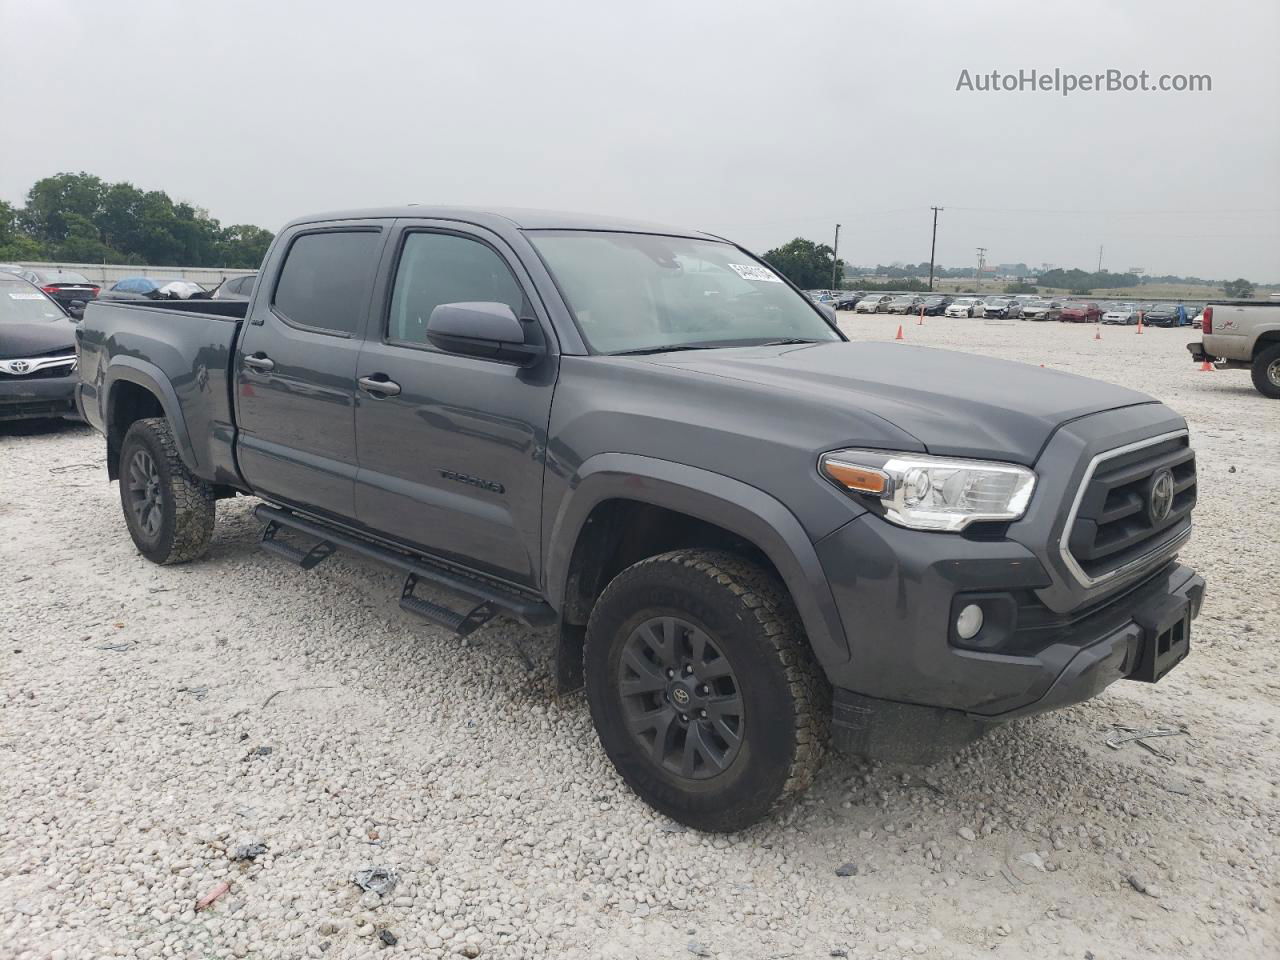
point(751, 271)
point(26, 296)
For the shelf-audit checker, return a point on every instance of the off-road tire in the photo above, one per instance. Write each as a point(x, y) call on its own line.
point(1265, 365)
point(786, 698)
point(186, 503)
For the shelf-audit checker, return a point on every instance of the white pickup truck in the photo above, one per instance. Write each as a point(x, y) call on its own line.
point(1243, 335)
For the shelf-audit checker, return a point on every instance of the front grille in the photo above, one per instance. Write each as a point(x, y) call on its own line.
point(1113, 527)
point(47, 373)
point(45, 366)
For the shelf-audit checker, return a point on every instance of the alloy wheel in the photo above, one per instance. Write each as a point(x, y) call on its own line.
point(145, 497)
point(680, 698)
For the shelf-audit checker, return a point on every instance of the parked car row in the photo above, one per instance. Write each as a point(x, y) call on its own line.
point(73, 291)
point(39, 310)
point(1021, 306)
point(61, 285)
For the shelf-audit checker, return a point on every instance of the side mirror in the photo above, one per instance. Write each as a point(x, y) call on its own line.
point(76, 309)
point(829, 312)
point(490, 331)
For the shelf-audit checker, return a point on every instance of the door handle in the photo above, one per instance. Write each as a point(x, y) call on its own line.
point(375, 386)
point(260, 362)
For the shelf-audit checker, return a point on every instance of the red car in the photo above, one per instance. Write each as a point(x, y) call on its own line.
point(1080, 313)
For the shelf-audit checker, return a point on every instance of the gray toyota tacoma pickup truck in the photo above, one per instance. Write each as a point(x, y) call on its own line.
point(752, 537)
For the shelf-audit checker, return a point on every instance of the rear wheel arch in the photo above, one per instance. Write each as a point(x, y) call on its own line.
point(135, 393)
point(1266, 341)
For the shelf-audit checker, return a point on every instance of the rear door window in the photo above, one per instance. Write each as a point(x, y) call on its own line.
point(326, 280)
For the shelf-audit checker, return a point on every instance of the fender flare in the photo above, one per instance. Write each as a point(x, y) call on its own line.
point(144, 374)
point(735, 506)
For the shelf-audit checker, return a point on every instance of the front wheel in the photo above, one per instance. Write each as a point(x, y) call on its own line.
point(1266, 372)
point(168, 510)
point(703, 689)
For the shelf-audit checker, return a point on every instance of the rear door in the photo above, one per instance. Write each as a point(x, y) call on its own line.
point(295, 366)
point(451, 461)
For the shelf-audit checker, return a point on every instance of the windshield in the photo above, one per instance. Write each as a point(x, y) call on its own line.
point(636, 292)
point(19, 303)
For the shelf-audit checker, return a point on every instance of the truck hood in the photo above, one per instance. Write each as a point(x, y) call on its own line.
point(34, 339)
point(954, 404)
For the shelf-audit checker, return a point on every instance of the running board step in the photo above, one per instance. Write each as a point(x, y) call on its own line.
point(462, 624)
point(306, 559)
point(481, 592)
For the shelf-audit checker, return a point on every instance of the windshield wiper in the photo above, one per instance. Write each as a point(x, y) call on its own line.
point(673, 348)
point(670, 348)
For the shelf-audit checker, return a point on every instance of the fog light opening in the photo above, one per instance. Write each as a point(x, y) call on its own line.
point(969, 622)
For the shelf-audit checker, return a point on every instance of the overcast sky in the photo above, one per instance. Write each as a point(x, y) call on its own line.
point(759, 120)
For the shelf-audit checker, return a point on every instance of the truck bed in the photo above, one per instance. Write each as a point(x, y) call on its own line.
point(180, 351)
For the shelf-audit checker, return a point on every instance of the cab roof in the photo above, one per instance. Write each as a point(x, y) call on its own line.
point(509, 217)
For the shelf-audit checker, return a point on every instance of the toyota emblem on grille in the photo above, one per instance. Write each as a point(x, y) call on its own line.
point(1160, 497)
point(19, 366)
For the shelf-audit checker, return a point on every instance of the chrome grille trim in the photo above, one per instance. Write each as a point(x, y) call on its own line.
point(1167, 547)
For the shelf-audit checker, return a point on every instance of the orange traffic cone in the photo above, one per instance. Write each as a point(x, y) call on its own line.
point(1206, 367)
point(899, 336)
point(1098, 335)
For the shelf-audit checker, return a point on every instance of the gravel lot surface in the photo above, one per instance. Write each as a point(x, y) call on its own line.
point(156, 721)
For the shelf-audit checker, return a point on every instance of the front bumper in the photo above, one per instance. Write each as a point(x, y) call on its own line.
point(1054, 639)
point(29, 399)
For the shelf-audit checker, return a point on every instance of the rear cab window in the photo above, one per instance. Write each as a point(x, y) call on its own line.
point(326, 279)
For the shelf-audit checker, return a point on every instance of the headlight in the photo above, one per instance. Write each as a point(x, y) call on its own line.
point(932, 493)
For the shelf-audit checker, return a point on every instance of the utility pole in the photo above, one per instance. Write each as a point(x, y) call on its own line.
point(1099, 258)
point(835, 259)
point(933, 247)
point(982, 263)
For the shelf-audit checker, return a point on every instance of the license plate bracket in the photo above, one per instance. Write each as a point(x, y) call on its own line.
point(1166, 637)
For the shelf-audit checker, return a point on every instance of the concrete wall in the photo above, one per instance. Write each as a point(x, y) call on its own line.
point(107, 274)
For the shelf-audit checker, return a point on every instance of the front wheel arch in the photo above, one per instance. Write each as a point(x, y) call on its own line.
point(741, 510)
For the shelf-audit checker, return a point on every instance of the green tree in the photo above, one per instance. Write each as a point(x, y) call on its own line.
point(15, 244)
point(53, 200)
point(80, 217)
point(120, 216)
point(1238, 289)
point(243, 245)
point(1074, 280)
point(81, 244)
point(907, 284)
point(806, 264)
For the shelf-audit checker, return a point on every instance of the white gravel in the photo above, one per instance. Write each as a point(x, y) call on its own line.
point(139, 752)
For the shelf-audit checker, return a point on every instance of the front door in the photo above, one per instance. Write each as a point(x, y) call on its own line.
point(295, 368)
point(451, 452)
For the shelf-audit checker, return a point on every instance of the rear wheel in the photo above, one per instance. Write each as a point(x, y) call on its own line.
point(703, 689)
point(168, 510)
point(1266, 372)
